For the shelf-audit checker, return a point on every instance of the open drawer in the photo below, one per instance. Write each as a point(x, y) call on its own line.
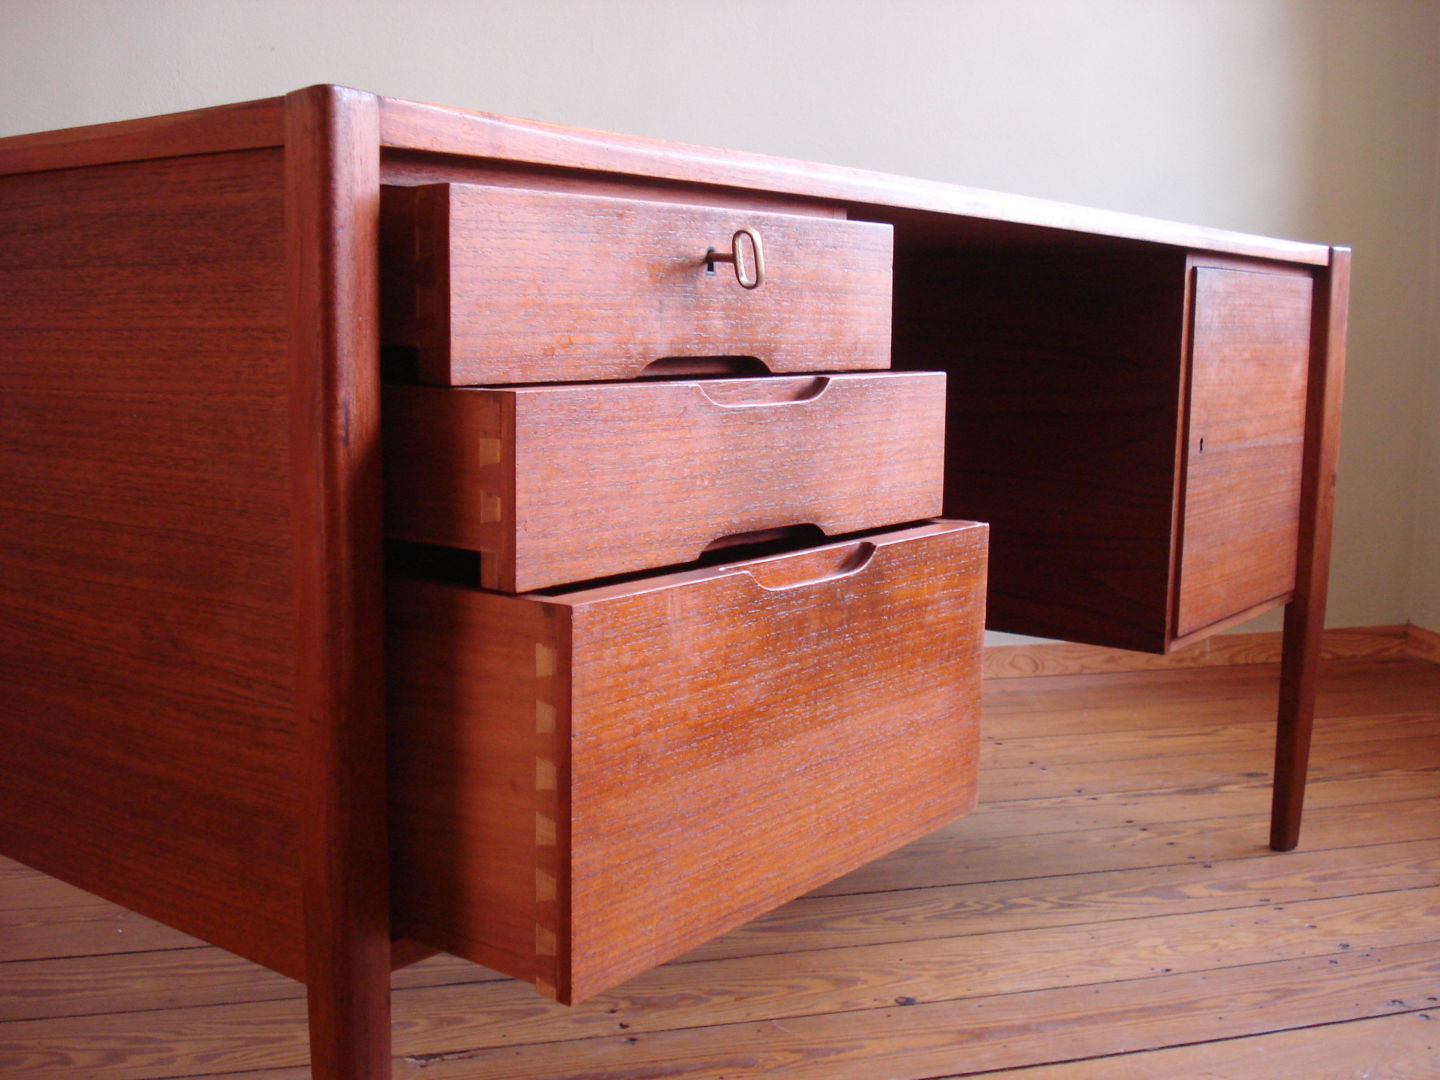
point(587, 784)
point(502, 285)
point(651, 473)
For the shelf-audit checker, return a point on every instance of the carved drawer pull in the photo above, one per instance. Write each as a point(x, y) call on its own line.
point(807, 570)
point(747, 280)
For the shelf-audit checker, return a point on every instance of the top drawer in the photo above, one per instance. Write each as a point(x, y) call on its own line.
point(505, 285)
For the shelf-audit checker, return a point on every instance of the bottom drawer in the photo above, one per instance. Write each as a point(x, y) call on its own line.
point(589, 783)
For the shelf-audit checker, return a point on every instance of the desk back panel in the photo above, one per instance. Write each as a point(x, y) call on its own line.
point(1062, 426)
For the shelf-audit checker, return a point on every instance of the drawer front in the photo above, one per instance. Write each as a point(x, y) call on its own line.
point(651, 473)
point(502, 285)
point(586, 785)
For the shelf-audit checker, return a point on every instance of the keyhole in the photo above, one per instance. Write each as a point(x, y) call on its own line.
point(1202, 444)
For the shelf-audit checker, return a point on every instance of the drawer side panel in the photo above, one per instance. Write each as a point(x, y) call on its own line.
point(478, 686)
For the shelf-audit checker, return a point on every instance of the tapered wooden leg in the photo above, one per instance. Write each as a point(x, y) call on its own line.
point(332, 165)
point(1305, 615)
point(1299, 667)
point(350, 1018)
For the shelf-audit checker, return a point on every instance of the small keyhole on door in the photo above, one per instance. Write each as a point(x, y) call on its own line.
point(1202, 446)
point(710, 261)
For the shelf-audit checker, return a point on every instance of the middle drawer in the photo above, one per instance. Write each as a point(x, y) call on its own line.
point(651, 473)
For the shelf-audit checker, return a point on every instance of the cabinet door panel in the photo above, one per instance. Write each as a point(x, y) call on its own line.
point(1250, 345)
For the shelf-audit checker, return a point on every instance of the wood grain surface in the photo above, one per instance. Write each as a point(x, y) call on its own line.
point(1071, 398)
point(190, 679)
point(1245, 430)
point(1061, 430)
point(248, 125)
point(463, 690)
point(1305, 615)
point(653, 473)
point(1221, 650)
point(332, 216)
point(587, 784)
point(1402, 1045)
point(148, 748)
point(410, 168)
point(1422, 643)
point(1036, 932)
point(417, 127)
point(513, 285)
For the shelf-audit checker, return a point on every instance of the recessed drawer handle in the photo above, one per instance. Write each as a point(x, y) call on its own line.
point(776, 577)
point(746, 279)
point(763, 393)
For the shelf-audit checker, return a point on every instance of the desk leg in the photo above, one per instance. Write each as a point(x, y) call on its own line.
point(1305, 615)
point(1299, 666)
point(350, 1021)
point(332, 163)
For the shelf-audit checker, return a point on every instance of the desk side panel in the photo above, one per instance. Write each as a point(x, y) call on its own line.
point(147, 630)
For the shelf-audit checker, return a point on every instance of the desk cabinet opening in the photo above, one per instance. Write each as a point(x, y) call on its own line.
point(1130, 422)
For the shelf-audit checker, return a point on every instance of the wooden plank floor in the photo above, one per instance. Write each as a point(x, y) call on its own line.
point(1110, 911)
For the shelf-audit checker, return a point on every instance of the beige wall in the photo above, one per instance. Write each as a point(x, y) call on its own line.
point(1312, 119)
point(1425, 580)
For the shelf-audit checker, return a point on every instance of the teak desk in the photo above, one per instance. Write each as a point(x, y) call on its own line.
point(601, 749)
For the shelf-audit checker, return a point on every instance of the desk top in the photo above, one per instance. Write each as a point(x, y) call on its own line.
point(406, 127)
